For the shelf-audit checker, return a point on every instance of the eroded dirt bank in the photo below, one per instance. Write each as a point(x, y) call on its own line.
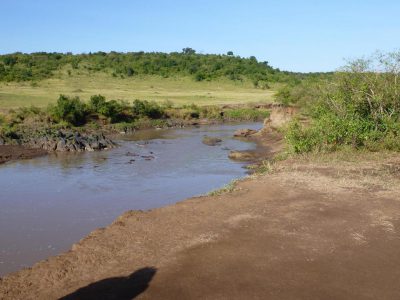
point(308, 230)
point(14, 152)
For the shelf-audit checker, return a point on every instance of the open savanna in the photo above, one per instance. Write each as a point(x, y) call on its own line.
point(179, 90)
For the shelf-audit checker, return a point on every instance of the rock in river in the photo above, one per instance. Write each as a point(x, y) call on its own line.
point(211, 141)
point(244, 132)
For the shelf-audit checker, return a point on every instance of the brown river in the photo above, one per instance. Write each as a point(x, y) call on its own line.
point(51, 202)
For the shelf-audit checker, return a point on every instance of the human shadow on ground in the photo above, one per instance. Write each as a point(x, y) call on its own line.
point(121, 288)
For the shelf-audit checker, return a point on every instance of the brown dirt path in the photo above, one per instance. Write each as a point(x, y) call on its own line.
point(306, 231)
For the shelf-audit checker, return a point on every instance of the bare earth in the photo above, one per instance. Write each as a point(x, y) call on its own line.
point(310, 229)
point(11, 152)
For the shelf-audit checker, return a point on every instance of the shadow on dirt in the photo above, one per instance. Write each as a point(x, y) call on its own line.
point(122, 288)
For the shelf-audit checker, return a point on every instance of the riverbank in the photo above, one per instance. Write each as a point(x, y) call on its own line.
point(76, 126)
point(310, 229)
point(15, 152)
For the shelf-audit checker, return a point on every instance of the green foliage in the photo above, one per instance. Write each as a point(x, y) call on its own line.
point(186, 112)
point(115, 111)
point(96, 103)
point(284, 96)
point(246, 114)
point(305, 92)
point(41, 65)
point(8, 131)
point(144, 108)
point(70, 110)
point(146, 122)
point(200, 76)
point(360, 108)
point(97, 112)
point(188, 51)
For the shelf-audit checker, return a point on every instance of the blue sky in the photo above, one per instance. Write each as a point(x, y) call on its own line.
point(292, 35)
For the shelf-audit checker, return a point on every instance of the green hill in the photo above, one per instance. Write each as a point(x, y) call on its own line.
point(183, 78)
point(38, 66)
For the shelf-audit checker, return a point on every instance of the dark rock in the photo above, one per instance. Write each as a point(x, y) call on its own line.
point(211, 141)
point(88, 147)
point(62, 140)
point(147, 157)
point(61, 145)
point(131, 154)
point(241, 155)
point(95, 145)
point(244, 132)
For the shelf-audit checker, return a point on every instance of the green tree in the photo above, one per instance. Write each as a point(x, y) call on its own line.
point(188, 50)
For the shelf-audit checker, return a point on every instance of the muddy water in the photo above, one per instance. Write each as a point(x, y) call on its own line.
point(49, 203)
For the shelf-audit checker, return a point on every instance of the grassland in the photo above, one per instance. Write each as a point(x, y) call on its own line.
point(179, 90)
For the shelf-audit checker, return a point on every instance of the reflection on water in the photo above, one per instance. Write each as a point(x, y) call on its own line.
point(49, 203)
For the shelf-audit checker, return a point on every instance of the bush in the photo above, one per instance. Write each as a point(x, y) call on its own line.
point(113, 110)
point(284, 96)
point(96, 102)
point(200, 76)
point(70, 110)
point(8, 131)
point(144, 108)
point(361, 108)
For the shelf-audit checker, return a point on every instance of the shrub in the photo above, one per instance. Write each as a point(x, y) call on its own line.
point(361, 108)
point(96, 102)
point(144, 108)
point(70, 110)
point(199, 76)
point(284, 96)
point(8, 131)
point(113, 110)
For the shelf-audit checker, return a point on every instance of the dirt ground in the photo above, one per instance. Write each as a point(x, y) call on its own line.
point(320, 228)
point(10, 152)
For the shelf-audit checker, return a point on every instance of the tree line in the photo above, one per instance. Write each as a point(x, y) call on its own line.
point(42, 65)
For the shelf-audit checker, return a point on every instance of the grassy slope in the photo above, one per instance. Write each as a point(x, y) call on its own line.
point(182, 90)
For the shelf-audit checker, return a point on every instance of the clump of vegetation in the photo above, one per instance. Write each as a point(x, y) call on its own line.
point(41, 65)
point(99, 113)
point(303, 93)
point(114, 111)
point(70, 110)
point(150, 109)
point(228, 188)
point(359, 108)
point(246, 114)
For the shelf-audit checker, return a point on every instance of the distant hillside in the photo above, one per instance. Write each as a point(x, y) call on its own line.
point(201, 67)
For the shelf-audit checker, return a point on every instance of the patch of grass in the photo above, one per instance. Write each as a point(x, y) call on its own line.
point(178, 90)
point(246, 114)
point(269, 165)
point(228, 188)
